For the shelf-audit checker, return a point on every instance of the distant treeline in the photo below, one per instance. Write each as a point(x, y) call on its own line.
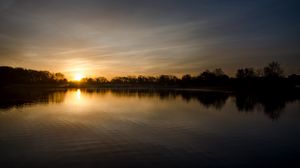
point(11, 75)
point(270, 76)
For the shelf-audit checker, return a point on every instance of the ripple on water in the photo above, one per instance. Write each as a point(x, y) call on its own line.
point(108, 132)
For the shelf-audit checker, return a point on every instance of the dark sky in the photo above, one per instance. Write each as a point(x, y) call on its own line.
point(131, 37)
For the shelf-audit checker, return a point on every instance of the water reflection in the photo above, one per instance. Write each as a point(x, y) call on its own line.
point(25, 97)
point(146, 128)
point(78, 94)
point(271, 105)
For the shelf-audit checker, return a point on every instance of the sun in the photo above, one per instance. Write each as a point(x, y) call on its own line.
point(78, 77)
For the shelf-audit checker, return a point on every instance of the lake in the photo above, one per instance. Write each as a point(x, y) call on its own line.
point(147, 128)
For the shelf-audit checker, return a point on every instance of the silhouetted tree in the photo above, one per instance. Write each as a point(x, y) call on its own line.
point(101, 80)
point(273, 70)
point(259, 72)
point(11, 75)
point(247, 79)
point(245, 73)
point(59, 77)
point(167, 80)
point(214, 78)
point(219, 72)
point(207, 76)
point(186, 77)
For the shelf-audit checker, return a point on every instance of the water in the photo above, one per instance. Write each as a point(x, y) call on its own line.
point(140, 128)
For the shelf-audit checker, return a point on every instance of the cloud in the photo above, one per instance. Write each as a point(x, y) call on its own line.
point(148, 37)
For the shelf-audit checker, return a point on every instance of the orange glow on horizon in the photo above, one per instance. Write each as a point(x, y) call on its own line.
point(78, 77)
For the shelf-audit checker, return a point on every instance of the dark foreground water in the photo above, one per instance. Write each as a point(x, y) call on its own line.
point(130, 128)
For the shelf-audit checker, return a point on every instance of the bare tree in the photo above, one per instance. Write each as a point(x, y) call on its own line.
point(273, 70)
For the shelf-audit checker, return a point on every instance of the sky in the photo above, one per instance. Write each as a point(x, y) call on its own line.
point(149, 37)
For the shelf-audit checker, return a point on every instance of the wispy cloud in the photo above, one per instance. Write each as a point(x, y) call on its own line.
point(113, 37)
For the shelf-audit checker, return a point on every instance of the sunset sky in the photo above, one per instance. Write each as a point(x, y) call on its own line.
point(149, 37)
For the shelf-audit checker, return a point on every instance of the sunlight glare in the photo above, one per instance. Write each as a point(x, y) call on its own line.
point(78, 77)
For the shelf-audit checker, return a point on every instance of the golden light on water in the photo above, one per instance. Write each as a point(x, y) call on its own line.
point(78, 94)
point(76, 100)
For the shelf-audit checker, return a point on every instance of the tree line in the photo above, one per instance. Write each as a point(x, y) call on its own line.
point(11, 75)
point(269, 76)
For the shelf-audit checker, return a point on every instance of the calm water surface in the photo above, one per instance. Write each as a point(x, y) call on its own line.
point(134, 128)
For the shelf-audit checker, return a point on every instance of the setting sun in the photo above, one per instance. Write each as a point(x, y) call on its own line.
point(78, 77)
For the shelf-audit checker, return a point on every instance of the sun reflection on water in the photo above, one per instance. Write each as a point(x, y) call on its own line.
point(78, 94)
point(76, 99)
